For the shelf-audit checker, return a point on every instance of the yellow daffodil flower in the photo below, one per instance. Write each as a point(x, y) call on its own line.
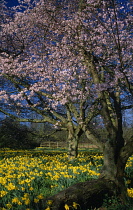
point(66, 207)
point(75, 205)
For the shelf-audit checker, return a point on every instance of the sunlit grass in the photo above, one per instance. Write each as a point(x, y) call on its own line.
point(27, 176)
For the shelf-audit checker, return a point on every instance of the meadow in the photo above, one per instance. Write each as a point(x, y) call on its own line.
point(27, 176)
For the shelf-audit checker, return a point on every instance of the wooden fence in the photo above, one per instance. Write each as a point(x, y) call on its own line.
point(52, 144)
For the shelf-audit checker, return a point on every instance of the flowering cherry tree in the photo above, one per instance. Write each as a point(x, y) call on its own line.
point(71, 63)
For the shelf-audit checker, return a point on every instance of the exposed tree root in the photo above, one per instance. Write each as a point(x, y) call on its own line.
point(89, 194)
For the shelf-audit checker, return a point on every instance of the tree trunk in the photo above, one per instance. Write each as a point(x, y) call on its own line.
point(114, 170)
point(72, 147)
point(73, 138)
point(90, 194)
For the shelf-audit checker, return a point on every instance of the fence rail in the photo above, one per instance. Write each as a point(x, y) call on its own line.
point(64, 145)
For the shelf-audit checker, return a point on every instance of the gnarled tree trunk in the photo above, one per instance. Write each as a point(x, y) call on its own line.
point(72, 146)
point(74, 132)
point(90, 194)
point(114, 170)
point(73, 140)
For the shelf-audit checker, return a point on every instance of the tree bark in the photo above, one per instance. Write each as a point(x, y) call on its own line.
point(89, 194)
point(72, 147)
point(114, 167)
point(74, 132)
point(114, 170)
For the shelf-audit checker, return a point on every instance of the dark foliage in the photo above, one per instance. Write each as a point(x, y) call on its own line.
point(16, 136)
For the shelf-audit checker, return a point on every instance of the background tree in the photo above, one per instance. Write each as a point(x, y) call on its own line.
point(16, 136)
point(71, 62)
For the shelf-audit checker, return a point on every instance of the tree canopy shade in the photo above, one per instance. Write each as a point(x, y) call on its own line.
point(71, 63)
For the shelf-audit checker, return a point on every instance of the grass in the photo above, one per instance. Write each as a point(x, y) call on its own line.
point(27, 176)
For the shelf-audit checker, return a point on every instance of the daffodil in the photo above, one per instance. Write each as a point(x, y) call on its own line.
point(40, 196)
point(48, 208)
point(130, 192)
point(9, 205)
point(27, 201)
point(3, 193)
point(49, 202)
point(36, 200)
point(10, 186)
point(75, 205)
point(66, 207)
